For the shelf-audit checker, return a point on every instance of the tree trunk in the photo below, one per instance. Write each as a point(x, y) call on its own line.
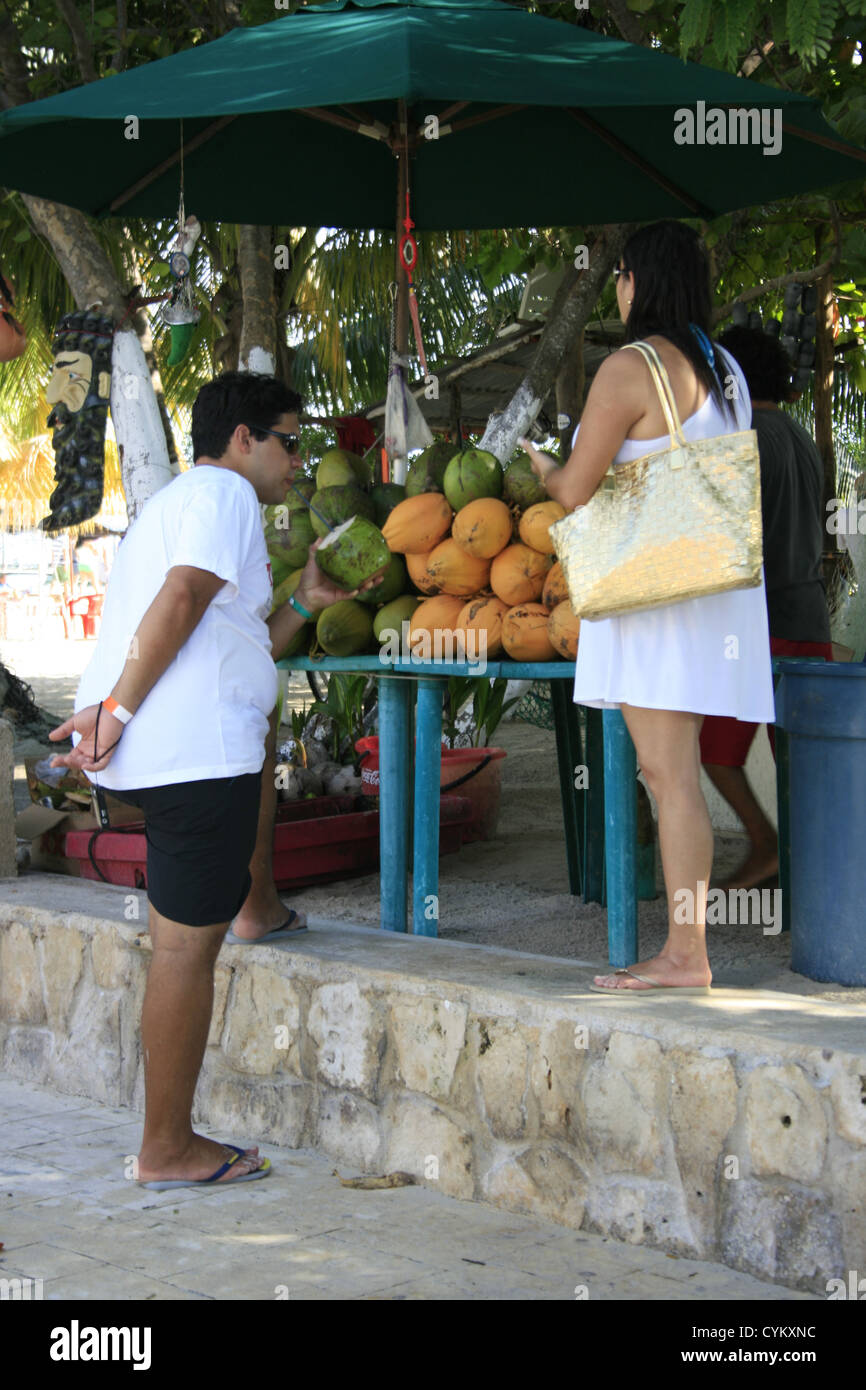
point(574, 302)
point(258, 346)
point(138, 424)
point(570, 383)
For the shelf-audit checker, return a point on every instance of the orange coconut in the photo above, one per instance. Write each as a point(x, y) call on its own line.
point(432, 623)
point(416, 566)
point(454, 572)
point(563, 629)
point(555, 590)
point(517, 574)
point(483, 614)
point(535, 522)
point(417, 524)
point(524, 633)
point(483, 528)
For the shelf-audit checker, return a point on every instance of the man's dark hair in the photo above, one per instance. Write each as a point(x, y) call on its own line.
point(765, 363)
point(238, 398)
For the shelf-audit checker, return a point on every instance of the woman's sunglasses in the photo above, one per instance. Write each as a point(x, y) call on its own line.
point(620, 270)
point(291, 442)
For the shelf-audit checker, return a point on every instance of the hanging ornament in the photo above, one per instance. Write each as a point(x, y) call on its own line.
point(405, 426)
point(78, 392)
point(408, 251)
point(181, 313)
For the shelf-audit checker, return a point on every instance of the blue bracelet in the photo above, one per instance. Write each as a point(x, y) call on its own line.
point(299, 608)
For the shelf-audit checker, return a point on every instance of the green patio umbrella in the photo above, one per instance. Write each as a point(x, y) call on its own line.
point(299, 121)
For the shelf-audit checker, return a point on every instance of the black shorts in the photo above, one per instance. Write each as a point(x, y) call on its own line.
point(200, 840)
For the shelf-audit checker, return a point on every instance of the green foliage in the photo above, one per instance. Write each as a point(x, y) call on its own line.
point(694, 22)
point(345, 708)
point(811, 25)
point(488, 706)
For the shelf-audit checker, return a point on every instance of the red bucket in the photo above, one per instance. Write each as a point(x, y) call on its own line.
point(481, 767)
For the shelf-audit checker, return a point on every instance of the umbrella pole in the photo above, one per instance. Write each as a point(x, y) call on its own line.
point(402, 151)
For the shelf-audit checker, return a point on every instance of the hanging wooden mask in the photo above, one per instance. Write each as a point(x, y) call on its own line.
point(13, 339)
point(78, 393)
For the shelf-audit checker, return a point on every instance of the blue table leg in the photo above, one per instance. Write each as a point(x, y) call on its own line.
point(428, 758)
point(394, 707)
point(620, 825)
point(593, 834)
point(569, 757)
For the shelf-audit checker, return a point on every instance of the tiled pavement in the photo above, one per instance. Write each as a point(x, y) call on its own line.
point(70, 1218)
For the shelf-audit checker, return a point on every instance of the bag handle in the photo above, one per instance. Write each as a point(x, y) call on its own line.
point(662, 383)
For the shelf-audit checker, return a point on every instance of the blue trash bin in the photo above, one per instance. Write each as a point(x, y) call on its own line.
point(822, 707)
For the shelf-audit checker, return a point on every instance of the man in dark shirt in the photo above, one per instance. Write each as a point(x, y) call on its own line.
point(792, 486)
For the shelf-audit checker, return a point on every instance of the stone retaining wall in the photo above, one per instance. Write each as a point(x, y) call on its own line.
point(637, 1126)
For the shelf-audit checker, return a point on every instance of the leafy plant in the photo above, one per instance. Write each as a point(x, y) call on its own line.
point(458, 691)
point(345, 708)
point(488, 706)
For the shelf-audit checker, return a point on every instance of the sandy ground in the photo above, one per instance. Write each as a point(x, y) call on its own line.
point(511, 891)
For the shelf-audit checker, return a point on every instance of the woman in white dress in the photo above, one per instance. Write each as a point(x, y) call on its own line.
point(667, 667)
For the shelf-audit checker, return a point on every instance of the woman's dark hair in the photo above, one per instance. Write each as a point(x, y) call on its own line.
point(672, 290)
point(765, 363)
point(238, 398)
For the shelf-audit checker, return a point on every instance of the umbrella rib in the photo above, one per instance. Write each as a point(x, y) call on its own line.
point(375, 130)
point(824, 140)
point(699, 209)
point(453, 109)
point(207, 134)
point(483, 116)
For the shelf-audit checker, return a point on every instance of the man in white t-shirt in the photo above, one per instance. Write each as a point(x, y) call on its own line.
point(172, 715)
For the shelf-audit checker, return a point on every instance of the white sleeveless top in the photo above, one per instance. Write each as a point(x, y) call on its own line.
point(705, 655)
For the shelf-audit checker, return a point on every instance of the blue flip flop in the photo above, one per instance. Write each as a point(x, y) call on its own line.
point(167, 1184)
point(285, 929)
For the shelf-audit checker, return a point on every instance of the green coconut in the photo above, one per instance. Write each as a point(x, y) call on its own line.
point(344, 628)
point(282, 592)
point(427, 471)
point(339, 504)
point(394, 581)
point(280, 567)
point(391, 616)
point(521, 488)
point(353, 553)
point(292, 535)
point(385, 497)
point(474, 473)
point(338, 467)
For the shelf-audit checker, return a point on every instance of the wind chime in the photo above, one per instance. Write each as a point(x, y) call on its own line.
point(405, 426)
point(181, 314)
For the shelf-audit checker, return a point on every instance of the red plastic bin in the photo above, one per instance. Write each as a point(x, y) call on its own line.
point(312, 844)
point(481, 767)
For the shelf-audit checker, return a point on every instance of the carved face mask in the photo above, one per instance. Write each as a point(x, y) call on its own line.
point(70, 380)
point(78, 393)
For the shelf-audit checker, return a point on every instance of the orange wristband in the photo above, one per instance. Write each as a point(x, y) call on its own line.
point(111, 705)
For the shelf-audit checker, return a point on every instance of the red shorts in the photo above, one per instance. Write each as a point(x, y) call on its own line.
point(726, 742)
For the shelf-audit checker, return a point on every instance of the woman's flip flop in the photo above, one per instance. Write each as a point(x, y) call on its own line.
point(654, 987)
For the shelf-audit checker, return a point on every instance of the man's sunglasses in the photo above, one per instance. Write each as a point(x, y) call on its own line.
point(291, 442)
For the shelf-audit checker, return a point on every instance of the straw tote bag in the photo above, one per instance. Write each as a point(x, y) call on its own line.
point(672, 525)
